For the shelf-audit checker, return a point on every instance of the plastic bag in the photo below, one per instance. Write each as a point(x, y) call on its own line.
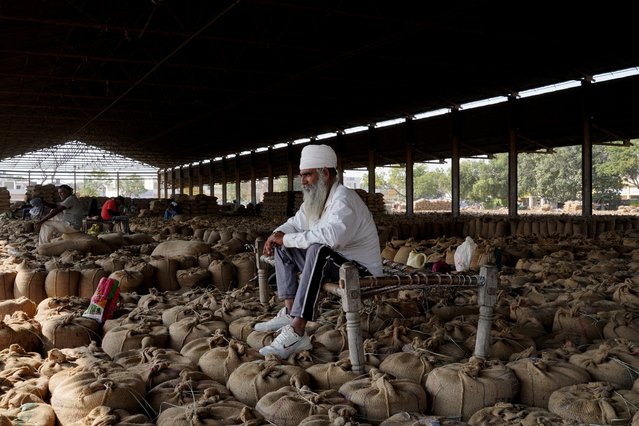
point(104, 300)
point(464, 254)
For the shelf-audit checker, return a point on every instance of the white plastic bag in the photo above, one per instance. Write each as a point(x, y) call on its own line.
point(464, 254)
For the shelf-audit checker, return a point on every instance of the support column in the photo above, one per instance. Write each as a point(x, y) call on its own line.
point(290, 160)
point(117, 183)
point(269, 169)
point(339, 142)
point(586, 153)
point(223, 181)
point(410, 152)
point(173, 182)
point(372, 154)
point(211, 181)
point(238, 189)
point(200, 178)
point(454, 164)
point(512, 160)
point(189, 170)
point(253, 179)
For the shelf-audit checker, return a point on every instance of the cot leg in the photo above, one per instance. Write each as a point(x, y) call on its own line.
point(352, 304)
point(487, 299)
point(262, 271)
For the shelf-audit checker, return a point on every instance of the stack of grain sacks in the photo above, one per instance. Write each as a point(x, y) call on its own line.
point(5, 199)
point(48, 193)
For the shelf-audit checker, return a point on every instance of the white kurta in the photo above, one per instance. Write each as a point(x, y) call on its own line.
point(346, 225)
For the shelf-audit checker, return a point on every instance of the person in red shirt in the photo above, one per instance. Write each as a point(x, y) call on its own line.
point(111, 212)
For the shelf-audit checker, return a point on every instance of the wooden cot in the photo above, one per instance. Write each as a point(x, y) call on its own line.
point(352, 289)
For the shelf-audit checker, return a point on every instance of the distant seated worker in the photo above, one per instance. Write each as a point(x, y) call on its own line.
point(38, 210)
point(111, 212)
point(65, 218)
point(332, 226)
point(172, 210)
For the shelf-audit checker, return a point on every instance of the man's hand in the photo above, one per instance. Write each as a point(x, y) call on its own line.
point(275, 239)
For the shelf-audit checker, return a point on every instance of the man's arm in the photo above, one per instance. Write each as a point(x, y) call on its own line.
point(52, 213)
point(274, 240)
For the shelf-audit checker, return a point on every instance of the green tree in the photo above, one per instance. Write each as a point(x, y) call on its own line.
point(132, 186)
point(623, 161)
point(485, 181)
point(607, 178)
point(431, 183)
point(96, 183)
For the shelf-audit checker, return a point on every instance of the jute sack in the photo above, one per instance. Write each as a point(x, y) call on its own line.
point(289, 405)
point(176, 248)
point(405, 419)
point(378, 396)
point(55, 306)
point(252, 380)
point(147, 270)
point(30, 284)
point(233, 309)
point(337, 415)
point(7, 279)
point(102, 415)
point(56, 248)
point(187, 329)
point(130, 280)
point(460, 389)
point(503, 413)
point(413, 366)
point(259, 339)
point(192, 277)
point(165, 272)
point(102, 384)
point(24, 304)
point(214, 410)
point(223, 274)
point(20, 329)
point(183, 390)
point(198, 347)
point(331, 375)
point(594, 403)
point(62, 282)
point(69, 331)
point(245, 268)
point(615, 362)
point(333, 339)
point(580, 328)
point(204, 260)
point(40, 414)
point(241, 328)
point(111, 264)
point(115, 240)
point(89, 280)
point(154, 365)
point(220, 362)
point(176, 313)
point(622, 324)
point(123, 338)
point(539, 377)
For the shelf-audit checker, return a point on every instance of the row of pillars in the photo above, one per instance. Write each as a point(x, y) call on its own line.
point(175, 175)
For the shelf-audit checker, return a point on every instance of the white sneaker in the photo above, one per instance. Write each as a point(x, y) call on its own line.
point(287, 343)
point(281, 319)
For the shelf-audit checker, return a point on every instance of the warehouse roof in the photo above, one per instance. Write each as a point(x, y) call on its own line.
point(171, 82)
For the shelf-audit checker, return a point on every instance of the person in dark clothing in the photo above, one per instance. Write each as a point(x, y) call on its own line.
point(172, 210)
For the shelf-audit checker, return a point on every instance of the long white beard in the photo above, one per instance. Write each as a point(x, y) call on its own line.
point(315, 198)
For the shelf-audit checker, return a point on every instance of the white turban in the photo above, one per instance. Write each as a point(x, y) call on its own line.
point(318, 156)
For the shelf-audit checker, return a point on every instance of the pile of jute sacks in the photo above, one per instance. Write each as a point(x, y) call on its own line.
point(180, 348)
